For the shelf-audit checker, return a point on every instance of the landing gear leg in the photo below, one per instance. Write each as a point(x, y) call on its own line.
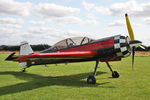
point(115, 74)
point(91, 79)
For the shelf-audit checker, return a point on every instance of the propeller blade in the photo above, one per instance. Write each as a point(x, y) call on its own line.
point(133, 54)
point(142, 47)
point(133, 44)
point(129, 27)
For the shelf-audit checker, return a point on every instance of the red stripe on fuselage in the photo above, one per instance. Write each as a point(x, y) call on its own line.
point(91, 47)
point(79, 54)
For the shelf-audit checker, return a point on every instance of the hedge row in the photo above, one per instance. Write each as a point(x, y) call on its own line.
point(38, 47)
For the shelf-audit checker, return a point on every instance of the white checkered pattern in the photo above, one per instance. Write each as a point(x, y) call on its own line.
point(121, 47)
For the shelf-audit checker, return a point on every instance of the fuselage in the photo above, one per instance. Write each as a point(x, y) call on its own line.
point(78, 50)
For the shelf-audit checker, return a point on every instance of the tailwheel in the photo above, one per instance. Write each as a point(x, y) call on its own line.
point(24, 70)
point(91, 80)
point(115, 74)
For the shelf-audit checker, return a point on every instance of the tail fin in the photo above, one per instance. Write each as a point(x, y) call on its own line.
point(25, 48)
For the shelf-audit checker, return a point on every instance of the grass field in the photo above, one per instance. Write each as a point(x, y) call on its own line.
point(68, 82)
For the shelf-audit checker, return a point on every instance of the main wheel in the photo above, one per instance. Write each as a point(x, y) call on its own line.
point(115, 74)
point(91, 80)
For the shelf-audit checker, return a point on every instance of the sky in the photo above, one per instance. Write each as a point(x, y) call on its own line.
point(49, 21)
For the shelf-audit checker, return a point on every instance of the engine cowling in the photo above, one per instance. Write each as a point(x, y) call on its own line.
point(121, 46)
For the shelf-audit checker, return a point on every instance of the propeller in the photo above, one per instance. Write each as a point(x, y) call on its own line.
point(133, 43)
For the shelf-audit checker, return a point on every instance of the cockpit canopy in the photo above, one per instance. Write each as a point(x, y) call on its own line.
point(71, 42)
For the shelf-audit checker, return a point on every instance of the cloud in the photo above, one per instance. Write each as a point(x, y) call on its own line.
point(5, 32)
point(39, 31)
point(58, 14)
point(122, 23)
point(117, 23)
point(131, 7)
point(91, 16)
point(43, 30)
point(11, 7)
point(48, 35)
point(66, 20)
point(37, 23)
point(102, 10)
point(88, 6)
point(48, 32)
point(51, 35)
point(118, 9)
point(91, 22)
point(146, 20)
point(50, 10)
point(11, 22)
point(10, 36)
point(11, 30)
point(73, 20)
point(41, 20)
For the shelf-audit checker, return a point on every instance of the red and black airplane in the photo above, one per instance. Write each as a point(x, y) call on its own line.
point(80, 49)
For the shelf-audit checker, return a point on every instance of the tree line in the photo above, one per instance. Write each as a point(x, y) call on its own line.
point(38, 47)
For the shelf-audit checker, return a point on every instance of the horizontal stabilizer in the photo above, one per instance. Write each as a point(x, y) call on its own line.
point(11, 56)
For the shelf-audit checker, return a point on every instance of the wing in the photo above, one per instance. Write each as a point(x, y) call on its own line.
point(59, 55)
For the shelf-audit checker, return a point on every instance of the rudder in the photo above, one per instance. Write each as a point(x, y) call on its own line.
point(25, 48)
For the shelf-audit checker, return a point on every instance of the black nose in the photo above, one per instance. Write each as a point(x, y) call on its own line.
point(135, 43)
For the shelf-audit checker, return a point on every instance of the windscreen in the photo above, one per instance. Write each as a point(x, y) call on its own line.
point(71, 42)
